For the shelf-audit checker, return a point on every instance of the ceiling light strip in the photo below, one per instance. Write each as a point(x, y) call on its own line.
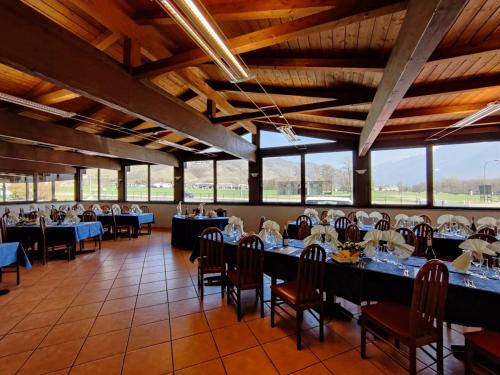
point(34, 105)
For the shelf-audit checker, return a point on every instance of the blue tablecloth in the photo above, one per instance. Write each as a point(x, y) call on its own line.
point(79, 232)
point(12, 252)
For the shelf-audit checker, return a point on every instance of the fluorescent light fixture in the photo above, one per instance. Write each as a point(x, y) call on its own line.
point(172, 144)
point(209, 150)
point(192, 17)
point(34, 105)
point(288, 133)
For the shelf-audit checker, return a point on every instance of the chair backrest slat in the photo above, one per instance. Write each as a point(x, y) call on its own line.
point(341, 225)
point(302, 218)
point(352, 233)
point(311, 274)
point(303, 230)
point(383, 225)
point(212, 248)
point(408, 235)
point(423, 232)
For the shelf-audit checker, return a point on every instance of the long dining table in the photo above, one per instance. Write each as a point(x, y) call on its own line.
point(382, 281)
point(132, 219)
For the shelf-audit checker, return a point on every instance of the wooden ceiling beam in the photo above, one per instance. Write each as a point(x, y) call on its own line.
point(425, 24)
point(18, 151)
point(22, 128)
point(33, 44)
point(14, 165)
point(343, 15)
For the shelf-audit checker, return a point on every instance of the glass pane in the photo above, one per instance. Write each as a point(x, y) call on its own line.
point(162, 183)
point(44, 188)
point(64, 188)
point(329, 178)
point(232, 181)
point(137, 183)
point(273, 139)
point(108, 189)
point(399, 177)
point(281, 179)
point(89, 184)
point(467, 175)
point(199, 181)
point(16, 187)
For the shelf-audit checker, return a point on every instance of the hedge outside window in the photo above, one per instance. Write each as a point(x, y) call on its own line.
point(161, 183)
point(137, 183)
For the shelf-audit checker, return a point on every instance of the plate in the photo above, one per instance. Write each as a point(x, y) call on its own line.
point(349, 260)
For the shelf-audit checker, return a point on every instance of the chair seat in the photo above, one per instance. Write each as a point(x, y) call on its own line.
point(211, 269)
point(248, 281)
point(487, 341)
point(390, 316)
point(287, 291)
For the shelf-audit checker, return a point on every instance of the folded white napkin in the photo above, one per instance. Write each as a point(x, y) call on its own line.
point(97, 209)
point(237, 222)
point(361, 215)
point(376, 215)
point(399, 218)
point(370, 242)
point(495, 246)
point(71, 217)
point(461, 220)
point(272, 227)
point(416, 219)
point(474, 248)
point(313, 214)
point(80, 209)
point(396, 242)
point(135, 209)
point(117, 210)
point(331, 236)
point(487, 221)
point(445, 219)
point(332, 214)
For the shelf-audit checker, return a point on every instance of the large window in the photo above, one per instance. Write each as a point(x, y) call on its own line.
point(64, 187)
point(399, 177)
point(44, 187)
point(137, 183)
point(232, 181)
point(467, 175)
point(89, 186)
point(162, 183)
point(16, 187)
point(329, 178)
point(281, 179)
point(108, 185)
point(199, 181)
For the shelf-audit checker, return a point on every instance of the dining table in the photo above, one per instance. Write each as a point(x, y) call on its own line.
point(135, 220)
point(470, 304)
point(12, 253)
point(187, 229)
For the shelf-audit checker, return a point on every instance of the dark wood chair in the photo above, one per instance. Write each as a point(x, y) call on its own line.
point(351, 216)
point(427, 219)
point(14, 267)
point(415, 326)
point(120, 229)
point(3, 228)
point(483, 236)
point(408, 235)
point(340, 226)
point(303, 218)
point(306, 292)
point(261, 223)
point(486, 346)
point(249, 272)
point(211, 258)
point(88, 217)
point(125, 208)
point(382, 225)
point(31, 215)
point(54, 214)
point(303, 230)
point(423, 232)
point(145, 209)
point(105, 208)
point(352, 233)
point(386, 216)
point(487, 230)
point(323, 215)
point(221, 212)
point(52, 245)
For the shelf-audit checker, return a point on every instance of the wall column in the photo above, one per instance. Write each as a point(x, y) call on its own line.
point(255, 183)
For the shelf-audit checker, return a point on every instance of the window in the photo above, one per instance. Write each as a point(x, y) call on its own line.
point(329, 178)
point(89, 184)
point(399, 177)
point(232, 181)
point(467, 175)
point(162, 183)
point(44, 187)
point(64, 187)
point(199, 181)
point(273, 139)
point(16, 187)
point(281, 179)
point(137, 183)
point(108, 185)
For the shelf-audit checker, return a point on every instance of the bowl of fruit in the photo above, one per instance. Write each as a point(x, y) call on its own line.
point(349, 252)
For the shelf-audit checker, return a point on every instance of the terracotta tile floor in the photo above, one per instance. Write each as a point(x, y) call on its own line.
point(133, 308)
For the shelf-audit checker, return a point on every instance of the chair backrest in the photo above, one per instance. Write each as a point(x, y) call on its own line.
point(408, 235)
point(32, 215)
point(261, 223)
point(54, 214)
point(250, 259)
point(351, 215)
point(212, 248)
point(144, 209)
point(221, 212)
point(302, 218)
point(3, 228)
point(382, 225)
point(105, 207)
point(352, 233)
point(422, 231)
point(341, 225)
point(427, 219)
point(487, 230)
point(323, 215)
point(428, 299)
point(303, 230)
point(483, 236)
point(386, 216)
point(311, 274)
point(88, 216)
point(125, 208)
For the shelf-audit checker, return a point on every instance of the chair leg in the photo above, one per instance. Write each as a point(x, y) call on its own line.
point(412, 355)
point(273, 304)
point(1, 275)
point(300, 316)
point(18, 275)
point(262, 301)
point(321, 325)
point(228, 291)
point(363, 339)
point(238, 304)
point(469, 358)
point(439, 356)
point(202, 281)
point(222, 283)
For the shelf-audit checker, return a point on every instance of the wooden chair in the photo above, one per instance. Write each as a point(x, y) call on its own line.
point(483, 236)
point(32, 215)
point(415, 326)
point(145, 209)
point(408, 235)
point(3, 228)
point(427, 219)
point(323, 215)
point(306, 292)
point(249, 272)
point(386, 216)
point(483, 344)
point(118, 230)
point(221, 212)
point(15, 267)
point(351, 216)
point(211, 258)
point(53, 245)
point(105, 208)
point(125, 208)
point(352, 233)
point(304, 218)
point(382, 225)
point(88, 217)
point(303, 230)
point(261, 223)
point(54, 213)
point(422, 231)
point(341, 225)
point(487, 230)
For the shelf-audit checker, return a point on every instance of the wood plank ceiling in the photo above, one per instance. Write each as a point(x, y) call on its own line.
point(321, 61)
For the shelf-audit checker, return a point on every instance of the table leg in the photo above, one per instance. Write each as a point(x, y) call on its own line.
point(335, 309)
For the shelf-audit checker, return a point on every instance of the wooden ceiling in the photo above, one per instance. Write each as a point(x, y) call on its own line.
point(334, 67)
